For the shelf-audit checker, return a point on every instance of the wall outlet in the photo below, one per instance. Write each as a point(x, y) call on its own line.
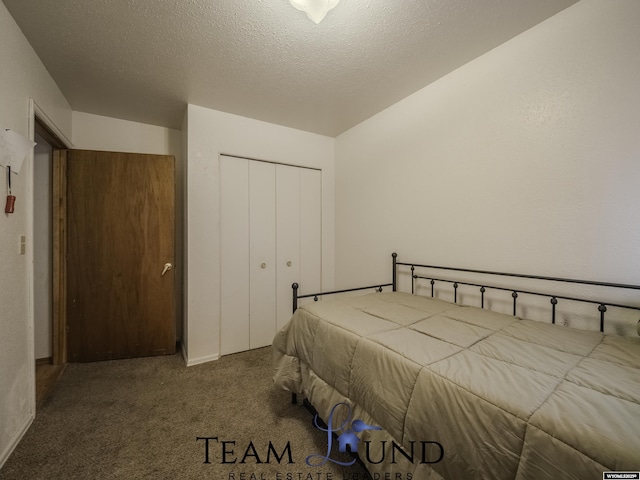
point(22, 246)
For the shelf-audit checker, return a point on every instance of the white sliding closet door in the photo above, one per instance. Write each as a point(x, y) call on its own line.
point(262, 254)
point(298, 234)
point(310, 279)
point(271, 233)
point(234, 261)
point(288, 238)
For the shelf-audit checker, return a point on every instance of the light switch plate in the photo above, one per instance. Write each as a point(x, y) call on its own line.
point(22, 246)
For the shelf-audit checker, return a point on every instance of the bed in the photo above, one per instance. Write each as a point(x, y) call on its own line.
point(453, 391)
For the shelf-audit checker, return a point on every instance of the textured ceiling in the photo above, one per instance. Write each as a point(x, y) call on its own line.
point(144, 60)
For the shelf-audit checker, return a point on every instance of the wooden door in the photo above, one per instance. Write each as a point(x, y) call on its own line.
point(119, 235)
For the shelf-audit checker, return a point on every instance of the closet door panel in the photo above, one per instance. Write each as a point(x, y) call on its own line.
point(234, 230)
point(310, 230)
point(287, 238)
point(262, 253)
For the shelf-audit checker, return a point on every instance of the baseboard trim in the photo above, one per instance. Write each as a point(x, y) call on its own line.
point(44, 361)
point(190, 362)
point(14, 443)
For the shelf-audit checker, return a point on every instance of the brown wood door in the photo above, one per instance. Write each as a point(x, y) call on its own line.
point(119, 235)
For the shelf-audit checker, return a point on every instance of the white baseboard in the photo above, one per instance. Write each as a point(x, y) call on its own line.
point(6, 453)
point(190, 362)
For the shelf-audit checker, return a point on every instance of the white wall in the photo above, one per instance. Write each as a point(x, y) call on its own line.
point(211, 133)
point(22, 76)
point(526, 159)
point(96, 132)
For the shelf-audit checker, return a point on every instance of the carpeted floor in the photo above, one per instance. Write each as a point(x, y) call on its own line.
point(139, 419)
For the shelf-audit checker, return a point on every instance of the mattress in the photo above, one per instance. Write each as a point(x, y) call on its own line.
point(499, 396)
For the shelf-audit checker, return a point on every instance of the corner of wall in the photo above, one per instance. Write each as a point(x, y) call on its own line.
point(185, 222)
point(211, 133)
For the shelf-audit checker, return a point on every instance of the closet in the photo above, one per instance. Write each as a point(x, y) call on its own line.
point(271, 230)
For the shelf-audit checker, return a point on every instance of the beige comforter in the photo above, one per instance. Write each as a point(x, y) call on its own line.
point(506, 398)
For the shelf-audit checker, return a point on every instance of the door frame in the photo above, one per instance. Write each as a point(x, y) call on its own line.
point(59, 248)
point(40, 122)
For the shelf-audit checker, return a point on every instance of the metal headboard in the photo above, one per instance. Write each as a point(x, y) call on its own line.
point(553, 298)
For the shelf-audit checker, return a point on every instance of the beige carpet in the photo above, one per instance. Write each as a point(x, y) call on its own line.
point(139, 419)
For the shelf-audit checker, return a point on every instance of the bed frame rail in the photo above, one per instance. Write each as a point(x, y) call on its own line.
point(316, 296)
point(553, 298)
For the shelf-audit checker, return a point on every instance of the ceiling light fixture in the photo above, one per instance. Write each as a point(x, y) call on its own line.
point(316, 10)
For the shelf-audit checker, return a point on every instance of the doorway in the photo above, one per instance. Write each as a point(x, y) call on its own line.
point(57, 330)
point(49, 364)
